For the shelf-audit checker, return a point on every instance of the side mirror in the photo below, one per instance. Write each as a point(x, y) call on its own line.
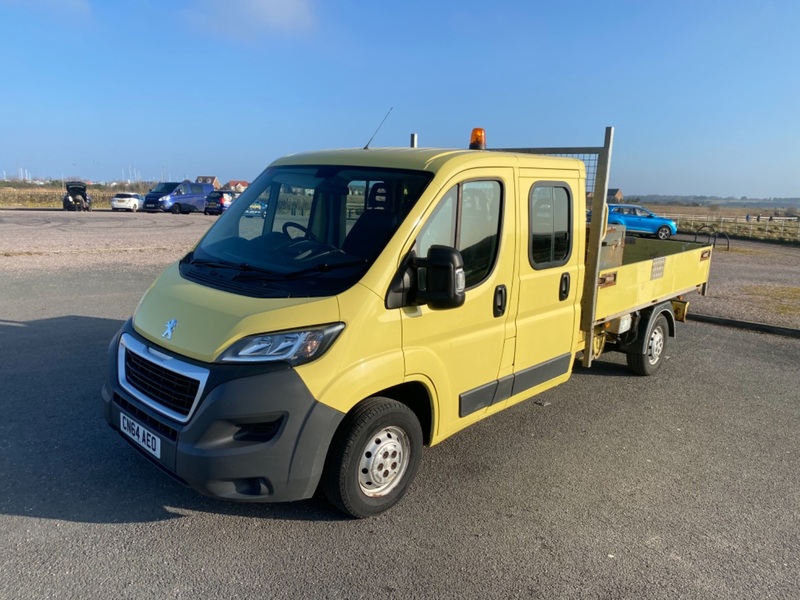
point(441, 281)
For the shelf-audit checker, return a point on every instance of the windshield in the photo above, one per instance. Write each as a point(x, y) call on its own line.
point(165, 187)
point(304, 230)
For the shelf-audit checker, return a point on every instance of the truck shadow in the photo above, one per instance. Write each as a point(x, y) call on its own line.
point(608, 365)
point(58, 457)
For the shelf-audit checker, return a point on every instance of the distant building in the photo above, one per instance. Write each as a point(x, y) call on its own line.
point(208, 179)
point(614, 196)
point(237, 184)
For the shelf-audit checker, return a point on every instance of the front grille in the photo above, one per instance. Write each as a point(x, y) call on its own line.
point(172, 390)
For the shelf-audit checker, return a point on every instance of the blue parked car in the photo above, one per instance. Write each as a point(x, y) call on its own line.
point(640, 220)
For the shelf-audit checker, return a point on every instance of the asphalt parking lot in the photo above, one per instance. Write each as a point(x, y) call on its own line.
point(684, 485)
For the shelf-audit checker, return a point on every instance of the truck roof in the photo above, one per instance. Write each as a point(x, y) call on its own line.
point(427, 159)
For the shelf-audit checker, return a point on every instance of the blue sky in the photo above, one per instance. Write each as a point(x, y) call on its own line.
point(704, 95)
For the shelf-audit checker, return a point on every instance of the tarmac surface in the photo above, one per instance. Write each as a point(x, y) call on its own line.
point(754, 285)
point(682, 485)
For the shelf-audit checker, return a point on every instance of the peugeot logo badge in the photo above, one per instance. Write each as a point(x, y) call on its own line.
point(169, 328)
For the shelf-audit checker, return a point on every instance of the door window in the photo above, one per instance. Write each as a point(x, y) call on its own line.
point(551, 217)
point(468, 219)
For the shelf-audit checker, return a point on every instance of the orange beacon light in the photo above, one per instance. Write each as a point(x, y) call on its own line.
point(477, 140)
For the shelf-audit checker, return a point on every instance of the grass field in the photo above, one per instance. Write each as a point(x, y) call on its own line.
point(50, 197)
point(732, 222)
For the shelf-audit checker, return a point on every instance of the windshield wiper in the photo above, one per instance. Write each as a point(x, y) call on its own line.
point(190, 259)
point(325, 267)
point(244, 269)
point(248, 271)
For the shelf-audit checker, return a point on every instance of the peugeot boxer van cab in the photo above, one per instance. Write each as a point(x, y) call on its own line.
point(184, 197)
point(355, 305)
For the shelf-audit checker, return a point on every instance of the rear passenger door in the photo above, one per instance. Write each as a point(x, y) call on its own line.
point(548, 315)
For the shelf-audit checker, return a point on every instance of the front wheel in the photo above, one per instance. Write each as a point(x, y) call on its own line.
point(176, 209)
point(373, 458)
point(649, 362)
point(663, 233)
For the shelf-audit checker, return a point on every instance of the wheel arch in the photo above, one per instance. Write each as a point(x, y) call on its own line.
point(414, 395)
point(645, 323)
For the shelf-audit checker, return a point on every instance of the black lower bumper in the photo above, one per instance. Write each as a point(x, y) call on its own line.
point(256, 435)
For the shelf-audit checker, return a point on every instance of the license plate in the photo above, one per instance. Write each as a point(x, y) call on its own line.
point(140, 435)
point(212, 205)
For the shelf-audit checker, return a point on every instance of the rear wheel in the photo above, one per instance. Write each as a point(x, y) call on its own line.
point(649, 362)
point(373, 458)
point(663, 232)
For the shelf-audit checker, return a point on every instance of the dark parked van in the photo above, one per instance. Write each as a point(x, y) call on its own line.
point(178, 197)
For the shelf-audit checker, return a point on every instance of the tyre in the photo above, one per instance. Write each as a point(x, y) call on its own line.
point(373, 458)
point(176, 209)
point(649, 362)
point(663, 233)
point(135, 207)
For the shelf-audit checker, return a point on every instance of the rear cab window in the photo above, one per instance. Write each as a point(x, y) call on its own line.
point(550, 210)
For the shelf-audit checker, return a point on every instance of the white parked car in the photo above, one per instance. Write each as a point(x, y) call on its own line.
point(127, 201)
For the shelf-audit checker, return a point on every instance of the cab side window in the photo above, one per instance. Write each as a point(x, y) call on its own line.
point(468, 219)
point(550, 225)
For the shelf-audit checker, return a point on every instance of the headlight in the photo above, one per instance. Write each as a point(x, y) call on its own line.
point(295, 347)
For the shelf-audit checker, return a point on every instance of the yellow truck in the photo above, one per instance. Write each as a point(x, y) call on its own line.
point(353, 306)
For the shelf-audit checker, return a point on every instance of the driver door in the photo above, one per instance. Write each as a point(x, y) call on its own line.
point(461, 350)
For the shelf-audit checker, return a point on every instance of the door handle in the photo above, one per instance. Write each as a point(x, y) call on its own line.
point(563, 287)
point(499, 308)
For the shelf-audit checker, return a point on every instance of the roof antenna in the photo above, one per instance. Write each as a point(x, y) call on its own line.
point(379, 127)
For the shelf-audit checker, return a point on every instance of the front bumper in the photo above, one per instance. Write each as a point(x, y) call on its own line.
point(155, 206)
point(254, 434)
point(215, 208)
